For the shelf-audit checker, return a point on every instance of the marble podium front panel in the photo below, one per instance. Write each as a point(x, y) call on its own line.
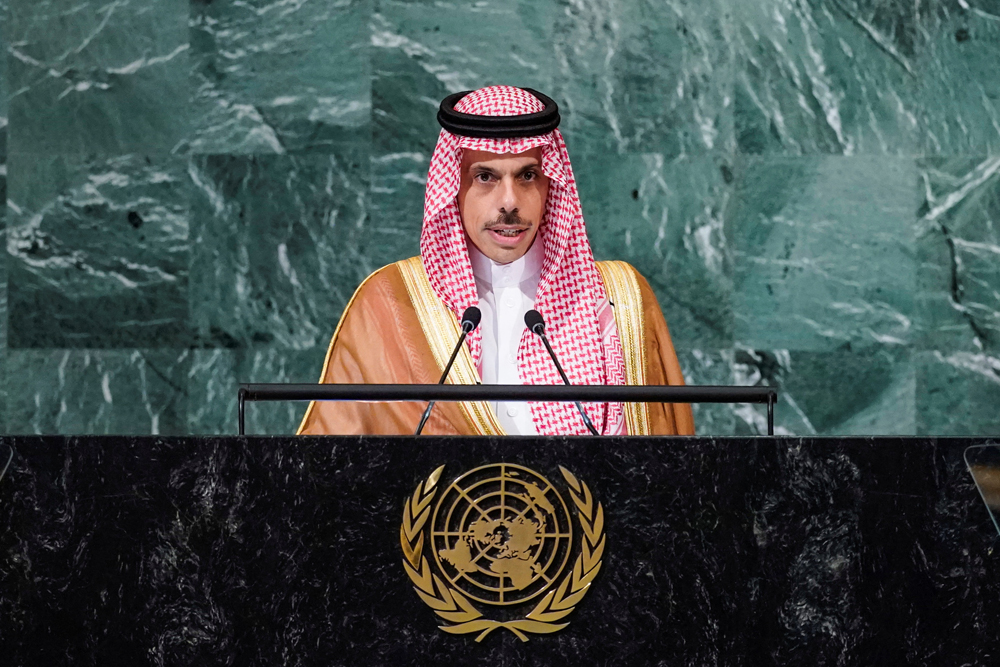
point(259, 550)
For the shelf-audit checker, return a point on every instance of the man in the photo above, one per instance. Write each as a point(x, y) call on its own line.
point(503, 230)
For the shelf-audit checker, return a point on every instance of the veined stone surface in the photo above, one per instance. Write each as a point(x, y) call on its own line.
point(278, 77)
point(104, 77)
point(825, 76)
point(957, 392)
point(4, 94)
point(958, 244)
point(99, 391)
point(667, 219)
point(959, 83)
point(811, 188)
point(642, 75)
point(98, 251)
point(215, 376)
point(824, 251)
point(278, 246)
point(423, 51)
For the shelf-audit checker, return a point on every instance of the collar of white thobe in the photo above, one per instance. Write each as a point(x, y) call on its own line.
point(512, 274)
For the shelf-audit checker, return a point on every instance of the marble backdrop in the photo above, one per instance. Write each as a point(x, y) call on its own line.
point(195, 187)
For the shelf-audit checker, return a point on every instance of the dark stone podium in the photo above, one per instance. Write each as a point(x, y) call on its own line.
point(720, 551)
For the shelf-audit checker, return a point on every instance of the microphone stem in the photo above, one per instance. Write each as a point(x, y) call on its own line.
point(562, 374)
point(444, 376)
point(454, 355)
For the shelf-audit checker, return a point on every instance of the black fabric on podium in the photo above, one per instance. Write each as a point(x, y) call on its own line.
point(254, 551)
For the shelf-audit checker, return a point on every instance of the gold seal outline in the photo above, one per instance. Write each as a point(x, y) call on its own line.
point(453, 607)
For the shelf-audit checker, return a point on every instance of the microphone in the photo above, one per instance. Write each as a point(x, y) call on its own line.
point(470, 320)
point(536, 325)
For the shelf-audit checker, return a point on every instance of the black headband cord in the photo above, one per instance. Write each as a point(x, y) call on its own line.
point(498, 127)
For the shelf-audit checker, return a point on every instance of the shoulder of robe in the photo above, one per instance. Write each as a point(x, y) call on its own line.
point(648, 295)
point(377, 279)
point(379, 286)
point(382, 284)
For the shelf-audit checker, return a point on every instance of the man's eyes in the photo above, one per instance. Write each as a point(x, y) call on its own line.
point(486, 177)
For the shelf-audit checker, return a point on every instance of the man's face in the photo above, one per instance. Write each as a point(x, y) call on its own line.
point(502, 200)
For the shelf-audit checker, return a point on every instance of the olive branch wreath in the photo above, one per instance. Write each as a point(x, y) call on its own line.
point(452, 606)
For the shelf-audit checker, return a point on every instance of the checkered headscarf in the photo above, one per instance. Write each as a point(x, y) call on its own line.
point(569, 289)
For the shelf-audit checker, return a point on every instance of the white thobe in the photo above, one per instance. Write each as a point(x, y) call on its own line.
point(506, 293)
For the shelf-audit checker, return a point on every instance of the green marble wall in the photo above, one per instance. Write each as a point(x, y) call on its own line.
point(195, 187)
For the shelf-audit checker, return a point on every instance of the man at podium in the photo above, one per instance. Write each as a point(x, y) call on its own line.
point(503, 231)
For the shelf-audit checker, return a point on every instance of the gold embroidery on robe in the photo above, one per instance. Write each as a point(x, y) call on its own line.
point(622, 287)
point(442, 330)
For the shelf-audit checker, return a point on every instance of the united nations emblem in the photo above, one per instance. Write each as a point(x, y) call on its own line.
point(501, 536)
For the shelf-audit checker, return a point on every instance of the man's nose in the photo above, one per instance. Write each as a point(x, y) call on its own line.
point(508, 195)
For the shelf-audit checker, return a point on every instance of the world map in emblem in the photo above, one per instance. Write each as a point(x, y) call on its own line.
point(501, 534)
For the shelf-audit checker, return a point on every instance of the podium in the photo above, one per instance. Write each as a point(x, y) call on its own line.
point(284, 550)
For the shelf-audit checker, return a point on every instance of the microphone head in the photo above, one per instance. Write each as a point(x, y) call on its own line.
point(471, 318)
point(533, 320)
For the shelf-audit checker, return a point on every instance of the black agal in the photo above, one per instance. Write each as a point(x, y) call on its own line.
point(498, 127)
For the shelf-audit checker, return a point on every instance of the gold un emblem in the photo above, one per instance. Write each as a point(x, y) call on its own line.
point(501, 536)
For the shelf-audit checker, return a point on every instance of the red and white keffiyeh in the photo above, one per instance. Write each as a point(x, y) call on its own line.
point(570, 290)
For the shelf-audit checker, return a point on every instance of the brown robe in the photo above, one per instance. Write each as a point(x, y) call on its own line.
point(380, 341)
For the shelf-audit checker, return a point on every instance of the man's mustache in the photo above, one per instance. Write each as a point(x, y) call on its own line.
point(508, 219)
